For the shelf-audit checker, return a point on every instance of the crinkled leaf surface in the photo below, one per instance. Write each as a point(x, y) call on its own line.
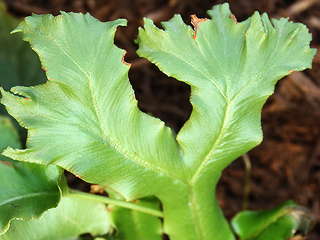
point(26, 190)
point(279, 223)
point(87, 110)
point(8, 136)
point(232, 68)
point(134, 225)
point(85, 118)
point(19, 65)
point(72, 217)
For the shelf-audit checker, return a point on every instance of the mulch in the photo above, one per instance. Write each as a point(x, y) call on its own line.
point(287, 164)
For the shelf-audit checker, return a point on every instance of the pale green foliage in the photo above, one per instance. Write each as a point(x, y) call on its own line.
point(79, 111)
point(85, 118)
point(71, 218)
point(232, 69)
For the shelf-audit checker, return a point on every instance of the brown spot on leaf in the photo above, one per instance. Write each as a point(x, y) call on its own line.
point(195, 21)
point(233, 17)
point(6, 163)
point(25, 100)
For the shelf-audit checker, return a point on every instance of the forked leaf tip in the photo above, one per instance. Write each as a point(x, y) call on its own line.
point(195, 21)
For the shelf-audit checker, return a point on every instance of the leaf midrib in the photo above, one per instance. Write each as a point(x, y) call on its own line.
point(195, 176)
point(26, 196)
point(139, 161)
point(226, 113)
point(216, 141)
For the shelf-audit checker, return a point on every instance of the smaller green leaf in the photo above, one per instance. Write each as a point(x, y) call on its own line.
point(72, 217)
point(8, 136)
point(134, 225)
point(282, 229)
point(27, 190)
point(279, 223)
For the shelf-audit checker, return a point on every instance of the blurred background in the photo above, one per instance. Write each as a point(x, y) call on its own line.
point(287, 164)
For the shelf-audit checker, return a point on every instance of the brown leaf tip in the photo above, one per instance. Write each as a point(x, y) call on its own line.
point(233, 17)
point(195, 21)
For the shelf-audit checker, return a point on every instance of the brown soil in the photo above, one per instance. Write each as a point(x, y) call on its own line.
point(287, 164)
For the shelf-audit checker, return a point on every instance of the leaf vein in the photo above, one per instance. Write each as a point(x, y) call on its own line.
point(112, 141)
point(29, 195)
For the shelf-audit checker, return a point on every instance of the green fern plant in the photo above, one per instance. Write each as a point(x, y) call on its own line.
point(85, 118)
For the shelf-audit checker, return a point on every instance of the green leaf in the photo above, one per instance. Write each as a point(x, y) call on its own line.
point(283, 229)
point(85, 118)
point(71, 218)
point(87, 110)
point(279, 223)
point(8, 136)
point(134, 225)
point(232, 67)
point(27, 190)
